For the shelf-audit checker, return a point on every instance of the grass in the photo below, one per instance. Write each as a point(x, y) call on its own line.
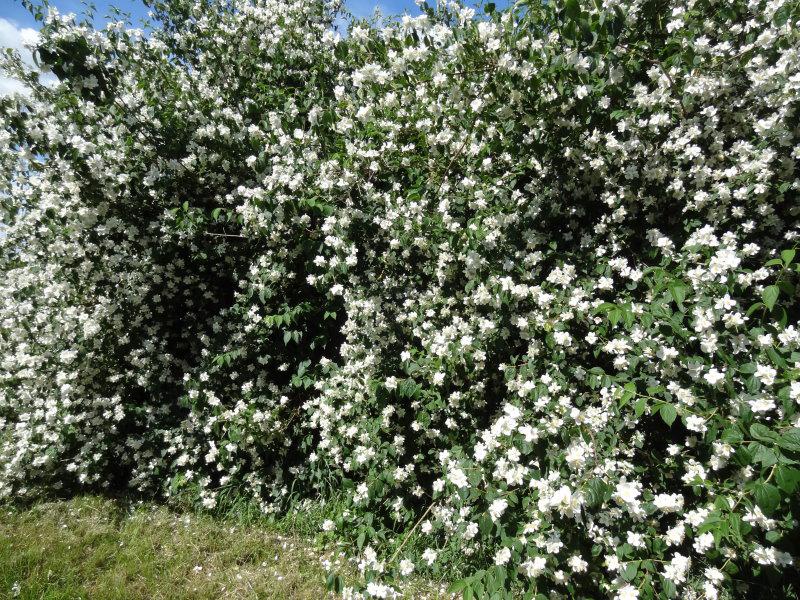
point(96, 548)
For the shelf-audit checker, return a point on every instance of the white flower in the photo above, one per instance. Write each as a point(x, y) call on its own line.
point(714, 575)
point(576, 456)
point(696, 423)
point(765, 374)
point(426, 207)
point(714, 376)
point(794, 391)
point(535, 567)
point(529, 433)
point(406, 567)
point(627, 592)
point(761, 404)
point(577, 564)
point(378, 590)
point(755, 517)
point(635, 539)
point(628, 492)
point(770, 556)
point(710, 591)
point(675, 535)
point(668, 503)
point(612, 562)
point(562, 499)
point(497, 508)
point(458, 478)
point(429, 556)
point(502, 556)
point(703, 542)
point(677, 568)
point(673, 449)
point(562, 338)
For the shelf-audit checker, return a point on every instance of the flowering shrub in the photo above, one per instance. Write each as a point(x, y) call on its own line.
point(521, 285)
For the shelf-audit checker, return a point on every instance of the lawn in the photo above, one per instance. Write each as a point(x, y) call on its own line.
point(96, 549)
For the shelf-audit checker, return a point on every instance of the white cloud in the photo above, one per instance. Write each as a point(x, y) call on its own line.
point(11, 86)
point(20, 39)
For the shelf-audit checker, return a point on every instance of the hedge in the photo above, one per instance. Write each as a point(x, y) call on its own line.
point(515, 291)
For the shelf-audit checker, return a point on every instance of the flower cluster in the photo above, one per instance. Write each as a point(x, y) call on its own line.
point(518, 289)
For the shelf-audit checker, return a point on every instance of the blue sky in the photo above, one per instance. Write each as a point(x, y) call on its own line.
point(12, 9)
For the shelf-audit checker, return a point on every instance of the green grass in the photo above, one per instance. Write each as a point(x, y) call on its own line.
point(97, 548)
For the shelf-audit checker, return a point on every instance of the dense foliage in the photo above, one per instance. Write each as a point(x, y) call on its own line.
point(518, 289)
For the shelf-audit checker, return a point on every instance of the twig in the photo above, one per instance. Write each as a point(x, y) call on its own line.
point(230, 235)
point(410, 531)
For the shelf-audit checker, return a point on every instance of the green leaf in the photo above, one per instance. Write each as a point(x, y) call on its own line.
point(776, 358)
point(731, 435)
point(628, 393)
point(572, 8)
point(485, 523)
point(668, 413)
point(458, 586)
point(787, 256)
point(670, 590)
point(678, 292)
point(597, 492)
point(767, 497)
point(639, 407)
point(790, 440)
point(742, 456)
point(604, 307)
point(334, 583)
point(763, 434)
point(630, 570)
point(787, 478)
point(786, 287)
point(770, 296)
point(766, 456)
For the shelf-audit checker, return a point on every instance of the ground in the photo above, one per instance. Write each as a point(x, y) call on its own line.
point(97, 549)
